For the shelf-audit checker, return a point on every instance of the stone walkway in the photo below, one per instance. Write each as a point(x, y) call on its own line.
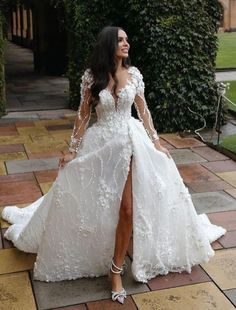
point(29, 151)
point(226, 76)
point(28, 91)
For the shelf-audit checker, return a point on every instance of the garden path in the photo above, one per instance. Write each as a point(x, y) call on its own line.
point(27, 90)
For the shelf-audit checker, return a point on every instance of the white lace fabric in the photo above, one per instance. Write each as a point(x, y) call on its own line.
point(84, 113)
point(72, 228)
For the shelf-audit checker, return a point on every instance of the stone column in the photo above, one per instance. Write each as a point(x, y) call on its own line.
point(29, 28)
point(24, 23)
point(14, 23)
point(21, 25)
point(31, 25)
point(17, 22)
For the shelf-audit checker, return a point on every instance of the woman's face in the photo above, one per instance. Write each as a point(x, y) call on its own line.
point(122, 50)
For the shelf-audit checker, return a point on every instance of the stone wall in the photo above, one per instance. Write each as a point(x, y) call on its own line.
point(35, 24)
point(233, 18)
point(2, 69)
point(20, 25)
point(229, 19)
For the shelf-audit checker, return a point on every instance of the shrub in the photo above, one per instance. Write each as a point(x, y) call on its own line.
point(2, 75)
point(5, 5)
point(174, 44)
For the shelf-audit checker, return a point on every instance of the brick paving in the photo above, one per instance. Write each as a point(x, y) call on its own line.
point(29, 151)
point(226, 75)
point(27, 90)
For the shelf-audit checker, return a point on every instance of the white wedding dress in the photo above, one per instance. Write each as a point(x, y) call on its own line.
point(72, 228)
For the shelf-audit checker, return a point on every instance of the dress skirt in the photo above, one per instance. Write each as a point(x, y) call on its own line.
point(72, 228)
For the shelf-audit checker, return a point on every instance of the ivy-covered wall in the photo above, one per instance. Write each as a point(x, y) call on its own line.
point(2, 75)
point(175, 46)
point(5, 5)
point(173, 43)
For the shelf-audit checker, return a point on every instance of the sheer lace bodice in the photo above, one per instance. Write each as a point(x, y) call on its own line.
point(113, 114)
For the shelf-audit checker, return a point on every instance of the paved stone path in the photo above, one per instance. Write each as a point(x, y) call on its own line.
point(28, 91)
point(29, 150)
point(226, 76)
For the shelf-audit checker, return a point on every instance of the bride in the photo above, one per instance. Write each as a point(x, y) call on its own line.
point(115, 179)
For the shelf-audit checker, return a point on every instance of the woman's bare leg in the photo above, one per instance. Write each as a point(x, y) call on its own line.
point(123, 230)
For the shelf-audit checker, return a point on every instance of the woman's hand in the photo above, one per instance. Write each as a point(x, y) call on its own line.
point(66, 158)
point(161, 148)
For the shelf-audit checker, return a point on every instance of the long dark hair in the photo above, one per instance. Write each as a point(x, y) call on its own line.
point(102, 61)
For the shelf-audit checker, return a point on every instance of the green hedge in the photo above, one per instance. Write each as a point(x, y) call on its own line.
point(5, 5)
point(173, 43)
point(2, 75)
point(175, 47)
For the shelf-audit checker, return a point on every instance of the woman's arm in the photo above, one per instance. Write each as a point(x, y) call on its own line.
point(81, 121)
point(145, 115)
point(84, 112)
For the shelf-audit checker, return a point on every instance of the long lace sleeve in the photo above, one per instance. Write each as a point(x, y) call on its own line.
point(142, 108)
point(83, 114)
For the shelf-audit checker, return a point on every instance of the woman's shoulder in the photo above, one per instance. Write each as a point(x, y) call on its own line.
point(136, 72)
point(87, 77)
point(137, 78)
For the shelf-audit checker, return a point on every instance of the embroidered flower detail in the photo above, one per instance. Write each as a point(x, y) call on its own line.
point(58, 194)
point(106, 195)
point(158, 186)
point(144, 229)
point(137, 80)
point(86, 81)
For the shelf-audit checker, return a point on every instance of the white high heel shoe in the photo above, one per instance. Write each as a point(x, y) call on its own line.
point(121, 295)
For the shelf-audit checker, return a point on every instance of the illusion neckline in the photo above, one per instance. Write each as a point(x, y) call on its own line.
point(129, 82)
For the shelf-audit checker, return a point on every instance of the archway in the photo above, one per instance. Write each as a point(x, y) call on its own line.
point(36, 58)
point(35, 25)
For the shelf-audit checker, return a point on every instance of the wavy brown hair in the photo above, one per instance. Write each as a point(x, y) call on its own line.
point(102, 61)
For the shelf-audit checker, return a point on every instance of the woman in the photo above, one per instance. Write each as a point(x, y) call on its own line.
point(116, 178)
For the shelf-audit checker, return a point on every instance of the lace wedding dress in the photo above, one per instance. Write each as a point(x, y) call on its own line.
point(72, 228)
